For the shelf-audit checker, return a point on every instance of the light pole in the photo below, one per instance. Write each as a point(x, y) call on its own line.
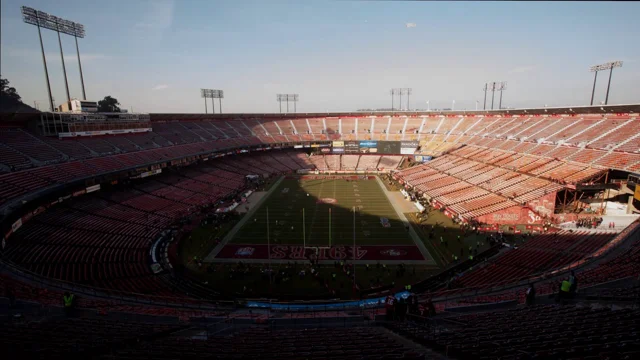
point(59, 25)
point(453, 105)
point(286, 98)
point(501, 87)
point(428, 107)
point(607, 66)
point(485, 89)
point(476, 105)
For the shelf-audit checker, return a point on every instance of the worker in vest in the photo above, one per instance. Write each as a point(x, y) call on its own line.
point(470, 257)
point(333, 276)
point(565, 288)
point(458, 238)
point(455, 258)
point(68, 303)
point(409, 287)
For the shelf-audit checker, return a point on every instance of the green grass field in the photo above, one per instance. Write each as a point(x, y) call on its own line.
point(285, 205)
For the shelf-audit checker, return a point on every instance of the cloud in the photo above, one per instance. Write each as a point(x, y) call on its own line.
point(410, 25)
point(522, 69)
point(160, 87)
point(159, 17)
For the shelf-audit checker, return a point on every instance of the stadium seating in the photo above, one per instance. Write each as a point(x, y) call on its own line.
point(549, 332)
point(536, 255)
point(309, 343)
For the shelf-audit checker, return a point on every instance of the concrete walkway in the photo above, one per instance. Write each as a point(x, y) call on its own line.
point(398, 203)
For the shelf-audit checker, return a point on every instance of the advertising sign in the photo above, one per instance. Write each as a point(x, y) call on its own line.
point(338, 144)
point(368, 144)
point(351, 146)
point(337, 149)
point(389, 147)
point(409, 144)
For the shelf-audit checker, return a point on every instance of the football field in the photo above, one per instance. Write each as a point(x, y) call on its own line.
point(307, 212)
point(325, 217)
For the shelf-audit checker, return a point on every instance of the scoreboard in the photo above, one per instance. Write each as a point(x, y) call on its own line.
point(375, 147)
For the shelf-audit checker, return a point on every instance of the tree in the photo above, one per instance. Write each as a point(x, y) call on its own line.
point(108, 104)
point(8, 91)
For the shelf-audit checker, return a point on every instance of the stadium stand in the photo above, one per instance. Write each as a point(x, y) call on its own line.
point(550, 332)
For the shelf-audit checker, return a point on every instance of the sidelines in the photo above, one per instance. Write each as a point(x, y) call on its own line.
point(405, 221)
point(242, 221)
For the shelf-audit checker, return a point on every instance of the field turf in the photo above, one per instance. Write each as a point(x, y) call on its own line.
point(285, 211)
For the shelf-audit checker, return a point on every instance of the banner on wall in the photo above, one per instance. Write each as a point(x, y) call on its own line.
point(103, 132)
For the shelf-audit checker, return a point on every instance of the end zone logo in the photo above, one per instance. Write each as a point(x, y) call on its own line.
point(245, 251)
point(393, 252)
point(327, 201)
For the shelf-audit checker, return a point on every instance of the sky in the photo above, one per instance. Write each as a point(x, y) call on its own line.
point(154, 56)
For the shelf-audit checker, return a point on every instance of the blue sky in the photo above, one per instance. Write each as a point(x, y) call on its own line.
point(155, 55)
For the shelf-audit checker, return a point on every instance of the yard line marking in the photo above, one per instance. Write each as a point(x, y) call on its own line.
point(315, 212)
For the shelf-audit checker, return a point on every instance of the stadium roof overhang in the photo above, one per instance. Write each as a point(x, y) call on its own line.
point(569, 110)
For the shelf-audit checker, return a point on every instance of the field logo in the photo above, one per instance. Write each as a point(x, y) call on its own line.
point(393, 252)
point(245, 251)
point(327, 201)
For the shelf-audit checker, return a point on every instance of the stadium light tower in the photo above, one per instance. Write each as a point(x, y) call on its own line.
point(217, 94)
point(393, 93)
point(409, 90)
point(30, 16)
point(501, 87)
point(207, 94)
point(286, 98)
point(47, 21)
point(607, 66)
point(493, 92)
point(485, 89)
point(212, 94)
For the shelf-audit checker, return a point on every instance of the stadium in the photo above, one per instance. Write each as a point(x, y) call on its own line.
point(392, 234)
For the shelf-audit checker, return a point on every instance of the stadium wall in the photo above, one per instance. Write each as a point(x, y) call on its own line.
point(515, 215)
point(544, 206)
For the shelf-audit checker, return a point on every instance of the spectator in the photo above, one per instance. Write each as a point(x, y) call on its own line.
point(389, 306)
point(68, 302)
point(431, 308)
point(530, 295)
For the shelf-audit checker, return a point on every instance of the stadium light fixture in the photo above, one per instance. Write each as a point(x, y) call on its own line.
point(485, 89)
point(206, 94)
point(286, 98)
point(393, 92)
point(42, 19)
point(212, 94)
point(501, 87)
point(606, 66)
point(408, 90)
